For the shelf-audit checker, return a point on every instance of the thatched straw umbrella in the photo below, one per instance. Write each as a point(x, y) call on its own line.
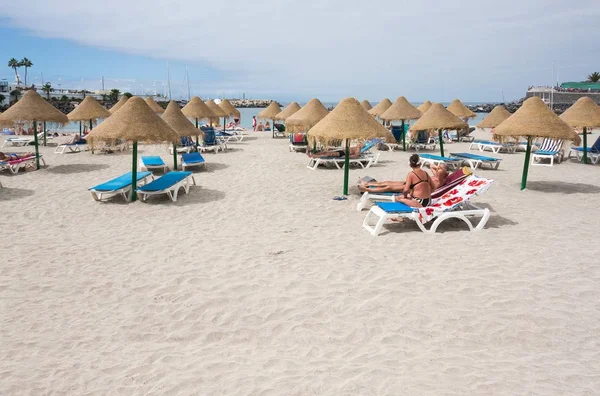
point(583, 114)
point(215, 109)
point(402, 110)
point(460, 110)
point(366, 105)
point(137, 122)
point(88, 110)
point(198, 110)
point(381, 107)
point(495, 118)
point(438, 118)
point(33, 108)
point(119, 104)
point(534, 119)
point(179, 122)
point(307, 116)
point(153, 105)
point(288, 111)
point(270, 112)
point(349, 120)
point(424, 107)
point(229, 110)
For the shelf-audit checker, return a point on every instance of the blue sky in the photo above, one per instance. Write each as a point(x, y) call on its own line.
point(286, 50)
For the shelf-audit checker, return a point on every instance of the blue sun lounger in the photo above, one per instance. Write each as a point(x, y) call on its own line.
point(432, 159)
point(593, 152)
point(192, 159)
point(169, 184)
point(119, 185)
point(477, 161)
point(151, 162)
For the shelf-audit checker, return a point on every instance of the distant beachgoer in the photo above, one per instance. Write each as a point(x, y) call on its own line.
point(267, 126)
point(440, 174)
point(77, 139)
point(260, 127)
point(254, 123)
point(14, 156)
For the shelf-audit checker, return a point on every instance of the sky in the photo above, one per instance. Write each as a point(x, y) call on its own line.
point(478, 51)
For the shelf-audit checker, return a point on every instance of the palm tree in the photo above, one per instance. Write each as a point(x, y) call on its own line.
point(15, 93)
point(47, 88)
point(594, 77)
point(14, 64)
point(114, 94)
point(26, 63)
point(2, 97)
point(64, 98)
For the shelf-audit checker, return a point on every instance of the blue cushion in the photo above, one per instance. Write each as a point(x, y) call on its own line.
point(475, 157)
point(165, 181)
point(153, 161)
point(119, 182)
point(438, 157)
point(543, 152)
point(192, 158)
point(395, 207)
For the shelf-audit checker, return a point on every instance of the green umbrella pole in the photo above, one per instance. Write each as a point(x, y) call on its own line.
point(347, 167)
point(197, 136)
point(174, 156)
point(37, 151)
point(441, 142)
point(223, 123)
point(134, 173)
point(45, 139)
point(585, 145)
point(526, 166)
point(80, 134)
point(91, 125)
point(403, 137)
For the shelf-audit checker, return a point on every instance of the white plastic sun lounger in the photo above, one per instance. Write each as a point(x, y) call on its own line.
point(191, 160)
point(483, 145)
point(364, 161)
point(118, 186)
point(169, 184)
point(72, 147)
point(153, 162)
point(477, 161)
point(551, 149)
point(454, 204)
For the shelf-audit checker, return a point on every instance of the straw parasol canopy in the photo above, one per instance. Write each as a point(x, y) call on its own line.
point(215, 108)
point(32, 107)
point(306, 117)
point(381, 107)
point(137, 122)
point(119, 104)
point(198, 110)
point(496, 116)
point(349, 120)
point(582, 114)
point(288, 111)
point(424, 107)
point(154, 106)
point(88, 109)
point(437, 117)
point(460, 110)
point(366, 105)
point(228, 108)
point(178, 121)
point(270, 112)
point(401, 110)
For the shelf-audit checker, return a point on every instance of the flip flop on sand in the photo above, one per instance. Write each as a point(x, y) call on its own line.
point(342, 198)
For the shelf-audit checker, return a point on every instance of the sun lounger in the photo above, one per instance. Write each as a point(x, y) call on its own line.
point(210, 142)
point(431, 159)
point(169, 184)
point(152, 162)
point(593, 153)
point(229, 137)
point(186, 145)
point(452, 180)
point(477, 161)
point(495, 147)
point(452, 205)
point(191, 160)
point(14, 166)
point(363, 162)
point(550, 149)
point(72, 147)
point(298, 142)
point(119, 185)
point(423, 141)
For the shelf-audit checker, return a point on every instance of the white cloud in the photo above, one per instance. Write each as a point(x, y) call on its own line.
point(335, 48)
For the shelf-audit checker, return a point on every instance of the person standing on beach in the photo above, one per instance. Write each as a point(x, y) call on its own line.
point(254, 123)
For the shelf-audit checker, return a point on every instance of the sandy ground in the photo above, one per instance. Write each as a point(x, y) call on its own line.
point(258, 283)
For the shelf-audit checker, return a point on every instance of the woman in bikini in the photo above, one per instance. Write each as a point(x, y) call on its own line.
point(418, 186)
point(14, 156)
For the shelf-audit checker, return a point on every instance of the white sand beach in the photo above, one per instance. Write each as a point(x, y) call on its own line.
point(257, 282)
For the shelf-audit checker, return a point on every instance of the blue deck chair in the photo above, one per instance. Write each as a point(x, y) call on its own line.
point(432, 159)
point(477, 161)
point(191, 160)
point(593, 152)
point(209, 141)
point(169, 184)
point(119, 185)
point(152, 162)
point(549, 149)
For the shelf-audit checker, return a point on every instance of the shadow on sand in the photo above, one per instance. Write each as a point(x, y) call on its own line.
point(197, 195)
point(76, 168)
point(563, 187)
point(8, 194)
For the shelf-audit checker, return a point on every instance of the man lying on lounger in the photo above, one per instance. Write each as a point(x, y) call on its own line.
point(354, 153)
point(14, 156)
point(440, 173)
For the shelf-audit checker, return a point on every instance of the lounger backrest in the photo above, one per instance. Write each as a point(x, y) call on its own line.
point(165, 181)
point(596, 147)
point(209, 137)
point(367, 146)
point(551, 144)
point(152, 160)
point(397, 132)
point(422, 137)
point(192, 157)
point(298, 138)
point(452, 180)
